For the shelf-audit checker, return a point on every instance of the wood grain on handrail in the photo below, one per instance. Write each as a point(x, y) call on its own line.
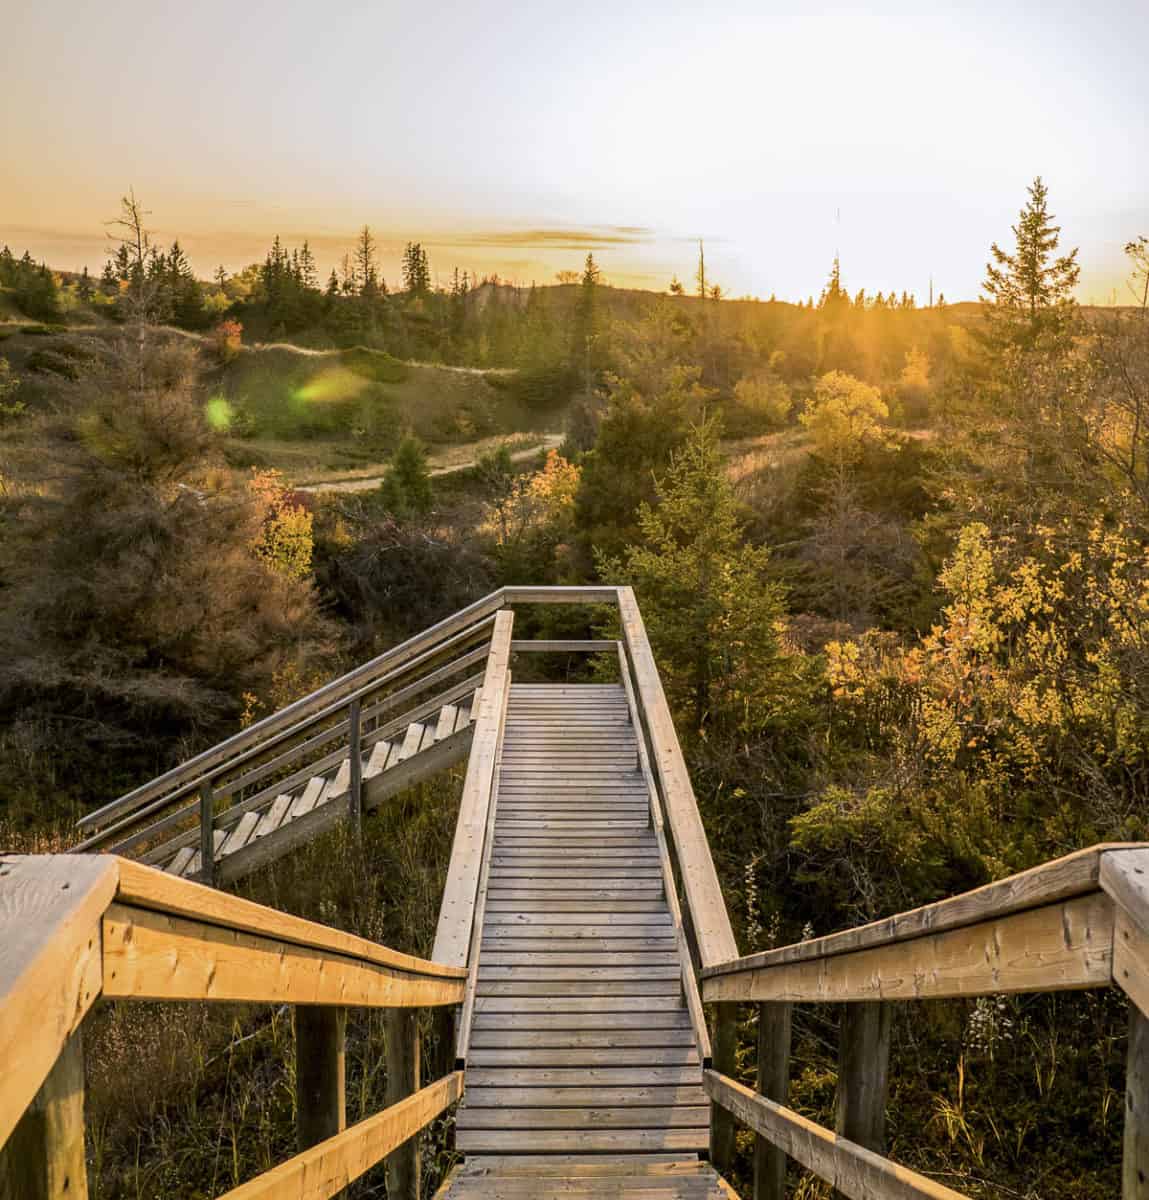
point(327, 1168)
point(853, 1171)
point(457, 911)
point(51, 970)
point(708, 913)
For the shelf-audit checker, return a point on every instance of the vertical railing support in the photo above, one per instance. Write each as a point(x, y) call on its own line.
point(355, 759)
point(774, 1023)
point(207, 833)
point(320, 1073)
point(863, 1073)
point(401, 1038)
point(43, 1158)
point(724, 1047)
point(1135, 1169)
point(444, 1032)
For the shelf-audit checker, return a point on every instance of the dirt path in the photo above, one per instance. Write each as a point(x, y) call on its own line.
point(550, 441)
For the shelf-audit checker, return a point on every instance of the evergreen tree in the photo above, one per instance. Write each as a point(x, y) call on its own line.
point(406, 489)
point(712, 613)
point(85, 288)
point(585, 330)
point(366, 269)
point(1030, 292)
point(416, 270)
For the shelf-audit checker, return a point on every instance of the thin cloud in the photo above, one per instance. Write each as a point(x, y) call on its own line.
point(592, 238)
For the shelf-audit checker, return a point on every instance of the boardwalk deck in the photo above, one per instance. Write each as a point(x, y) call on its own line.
point(581, 1039)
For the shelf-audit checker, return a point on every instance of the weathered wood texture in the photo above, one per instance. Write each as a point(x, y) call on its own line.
point(774, 1031)
point(147, 888)
point(44, 1157)
point(863, 1073)
point(456, 914)
point(581, 1041)
point(157, 956)
point(724, 1040)
point(1135, 1166)
point(51, 968)
point(320, 1074)
point(857, 1173)
point(707, 909)
point(326, 1169)
point(403, 1070)
point(602, 1177)
point(1056, 947)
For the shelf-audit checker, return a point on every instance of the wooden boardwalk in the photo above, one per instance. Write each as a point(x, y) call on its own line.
point(581, 1040)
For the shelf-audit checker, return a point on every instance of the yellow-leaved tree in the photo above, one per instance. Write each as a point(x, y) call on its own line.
point(843, 413)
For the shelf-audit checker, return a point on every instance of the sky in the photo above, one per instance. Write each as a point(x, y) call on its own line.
point(515, 137)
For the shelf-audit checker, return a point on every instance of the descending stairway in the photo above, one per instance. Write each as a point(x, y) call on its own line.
point(581, 1038)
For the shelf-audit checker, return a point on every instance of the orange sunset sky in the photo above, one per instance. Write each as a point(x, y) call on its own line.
point(515, 137)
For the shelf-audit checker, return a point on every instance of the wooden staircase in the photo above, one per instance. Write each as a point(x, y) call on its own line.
point(582, 1040)
point(400, 756)
point(581, 928)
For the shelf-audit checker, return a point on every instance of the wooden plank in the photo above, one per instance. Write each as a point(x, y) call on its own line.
point(377, 760)
point(585, 945)
point(542, 886)
point(274, 816)
point(614, 1056)
point(453, 933)
point(1056, 947)
point(557, 1004)
point(775, 1023)
point(857, 1173)
point(501, 960)
point(148, 888)
point(156, 956)
point(641, 1095)
point(1131, 960)
point(44, 1157)
point(624, 1117)
point(582, 1141)
point(51, 970)
point(182, 860)
point(524, 919)
point(445, 726)
point(580, 987)
point(863, 1074)
point(1135, 1158)
point(707, 909)
point(241, 834)
point(1074, 875)
point(577, 932)
point(411, 742)
point(401, 1040)
point(630, 1018)
point(574, 1039)
point(320, 1073)
point(574, 907)
point(331, 1166)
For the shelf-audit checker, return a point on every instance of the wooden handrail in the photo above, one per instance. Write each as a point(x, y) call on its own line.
point(79, 927)
point(457, 912)
point(326, 1169)
point(311, 708)
point(1078, 922)
point(708, 915)
point(1049, 928)
point(854, 1171)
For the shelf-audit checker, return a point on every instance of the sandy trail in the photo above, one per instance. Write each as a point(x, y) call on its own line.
point(550, 441)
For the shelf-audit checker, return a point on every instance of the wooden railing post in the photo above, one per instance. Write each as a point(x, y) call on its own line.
point(863, 1073)
point(320, 1073)
point(355, 760)
point(444, 1031)
point(207, 833)
point(774, 1024)
point(1135, 1170)
point(724, 1046)
point(401, 1038)
point(44, 1157)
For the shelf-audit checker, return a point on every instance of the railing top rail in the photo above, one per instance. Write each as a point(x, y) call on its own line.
point(54, 953)
point(297, 715)
point(1073, 875)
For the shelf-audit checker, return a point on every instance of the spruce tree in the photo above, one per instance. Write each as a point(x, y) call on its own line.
point(1029, 293)
point(406, 488)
